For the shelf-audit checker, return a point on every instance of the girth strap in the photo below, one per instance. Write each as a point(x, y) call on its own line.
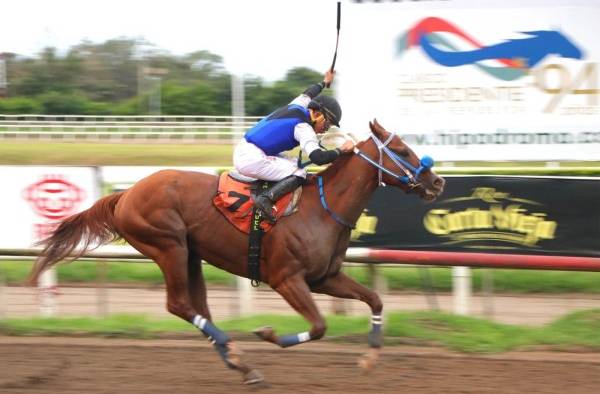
point(255, 241)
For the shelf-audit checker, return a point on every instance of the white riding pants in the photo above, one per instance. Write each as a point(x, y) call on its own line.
point(250, 160)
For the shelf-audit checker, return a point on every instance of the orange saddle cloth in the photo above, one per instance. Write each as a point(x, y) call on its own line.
point(235, 201)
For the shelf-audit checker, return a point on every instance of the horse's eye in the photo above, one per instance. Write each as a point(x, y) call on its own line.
point(402, 152)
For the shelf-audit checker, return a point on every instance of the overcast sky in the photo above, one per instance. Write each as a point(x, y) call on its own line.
point(259, 37)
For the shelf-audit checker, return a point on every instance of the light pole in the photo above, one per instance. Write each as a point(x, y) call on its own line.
point(154, 100)
point(3, 79)
point(238, 106)
point(245, 301)
point(154, 76)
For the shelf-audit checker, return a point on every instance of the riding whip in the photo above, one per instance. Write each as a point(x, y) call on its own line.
point(337, 40)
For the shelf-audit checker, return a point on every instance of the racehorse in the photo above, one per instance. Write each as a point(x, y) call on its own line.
point(169, 217)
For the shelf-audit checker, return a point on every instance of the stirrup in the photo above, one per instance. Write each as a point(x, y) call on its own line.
point(266, 209)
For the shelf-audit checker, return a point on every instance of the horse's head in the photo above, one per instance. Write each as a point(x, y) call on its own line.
point(401, 167)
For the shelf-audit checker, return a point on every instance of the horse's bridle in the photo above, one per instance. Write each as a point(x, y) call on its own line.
point(410, 174)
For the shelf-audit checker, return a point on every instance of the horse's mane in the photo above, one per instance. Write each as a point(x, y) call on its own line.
point(341, 137)
point(335, 139)
point(335, 166)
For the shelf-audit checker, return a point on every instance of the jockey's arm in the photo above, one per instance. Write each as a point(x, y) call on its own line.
point(305, 134)
point(309, 143)
point(314, 90)
point(323, 156)
point(310, 93)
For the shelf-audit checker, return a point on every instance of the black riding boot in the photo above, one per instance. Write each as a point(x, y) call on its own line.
point(266, 199)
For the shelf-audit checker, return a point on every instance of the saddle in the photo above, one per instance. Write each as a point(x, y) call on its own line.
point(235, 200)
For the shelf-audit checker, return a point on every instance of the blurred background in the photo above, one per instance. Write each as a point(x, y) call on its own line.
point(503, 94)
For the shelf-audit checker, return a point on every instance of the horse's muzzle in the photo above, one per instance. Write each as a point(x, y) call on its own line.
point(434, 190)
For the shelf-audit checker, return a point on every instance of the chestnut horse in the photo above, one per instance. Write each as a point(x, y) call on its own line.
point(169, 217)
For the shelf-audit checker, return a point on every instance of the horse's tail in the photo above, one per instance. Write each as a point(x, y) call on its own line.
point(90, 228)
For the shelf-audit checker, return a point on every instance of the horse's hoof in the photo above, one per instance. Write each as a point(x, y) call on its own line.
point(253, 377)
point(368, 360)
point(265, 333)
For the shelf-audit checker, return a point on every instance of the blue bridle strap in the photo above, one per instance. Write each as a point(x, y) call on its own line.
point(401, 178)
point(411, 173)
point(326, 207)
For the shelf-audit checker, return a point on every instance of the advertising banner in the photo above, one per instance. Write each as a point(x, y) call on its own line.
point(498, 214)
point(35, 198)
point(475, 80)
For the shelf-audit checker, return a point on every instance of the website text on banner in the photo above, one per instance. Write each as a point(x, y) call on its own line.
point(466, 80)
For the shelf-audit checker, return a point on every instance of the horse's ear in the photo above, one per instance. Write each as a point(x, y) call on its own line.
point(376, 127)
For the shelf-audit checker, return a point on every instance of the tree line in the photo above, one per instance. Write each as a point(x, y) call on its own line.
point(127, 76)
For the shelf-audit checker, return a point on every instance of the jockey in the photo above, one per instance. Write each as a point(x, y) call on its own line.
point(298, 123)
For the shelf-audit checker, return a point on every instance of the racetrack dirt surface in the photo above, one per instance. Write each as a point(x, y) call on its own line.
point(93, 365)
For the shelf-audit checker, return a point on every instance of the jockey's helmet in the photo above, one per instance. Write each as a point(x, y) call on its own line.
point(329, 106)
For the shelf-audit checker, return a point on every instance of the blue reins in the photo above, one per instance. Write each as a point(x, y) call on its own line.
point(326, 207)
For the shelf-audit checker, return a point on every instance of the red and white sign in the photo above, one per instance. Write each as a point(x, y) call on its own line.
point(54, 197)
point(34, 199)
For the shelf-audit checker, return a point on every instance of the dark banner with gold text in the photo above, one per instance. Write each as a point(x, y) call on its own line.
point(498, 214)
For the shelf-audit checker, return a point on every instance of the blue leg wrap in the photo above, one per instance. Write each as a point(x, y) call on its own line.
point(211, 331)
point(376, 334)
point(218, 338)
point(293, 339)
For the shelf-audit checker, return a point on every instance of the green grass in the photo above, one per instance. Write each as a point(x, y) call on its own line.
point(15, 273)
point(465, 334)
point(398, 278)
point(504, 280)
point(460, 333)
point(61, 153)
point(575, 329)
point(130, 326)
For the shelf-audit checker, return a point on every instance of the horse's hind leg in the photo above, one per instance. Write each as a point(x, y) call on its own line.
point(197, 286)
point(343, 286)
point(197, 290)
point(296, 292)
point(172, 258)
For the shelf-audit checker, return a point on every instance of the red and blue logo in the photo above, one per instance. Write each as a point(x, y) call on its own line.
point(515, 56)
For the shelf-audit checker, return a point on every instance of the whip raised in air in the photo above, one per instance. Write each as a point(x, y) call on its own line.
point(337, 40)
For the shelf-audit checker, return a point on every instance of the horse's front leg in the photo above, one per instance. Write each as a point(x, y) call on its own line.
point(342, 286)
point(297, 293)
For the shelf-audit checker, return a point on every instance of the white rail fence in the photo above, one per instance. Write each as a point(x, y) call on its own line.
point(184, 128)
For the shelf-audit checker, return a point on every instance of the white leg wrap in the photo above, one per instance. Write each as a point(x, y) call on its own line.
point(376, 320)
point(199, 321)
point(304, 337)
